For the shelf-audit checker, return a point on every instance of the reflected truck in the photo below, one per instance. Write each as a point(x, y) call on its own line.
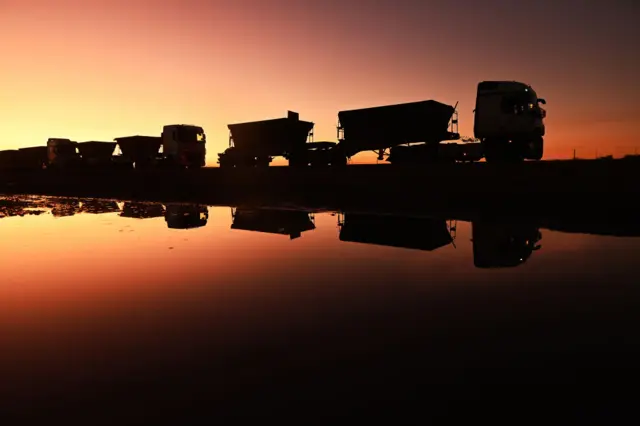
point(186, 216)
point(140, 210)
point(497, 245)
point(284, 222)
point(96, 206)
point(426, 234)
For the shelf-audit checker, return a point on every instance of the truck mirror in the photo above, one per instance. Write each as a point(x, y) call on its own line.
point(542, 101)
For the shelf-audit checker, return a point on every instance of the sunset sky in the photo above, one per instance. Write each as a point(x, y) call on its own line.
point(99, 69)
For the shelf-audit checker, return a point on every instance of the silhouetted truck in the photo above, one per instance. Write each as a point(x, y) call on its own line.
point(182, 146)
point(426, 234)
point(96, 153)
point(508, 125)
point(256, 143)
point(509, 121)
point(379, 128)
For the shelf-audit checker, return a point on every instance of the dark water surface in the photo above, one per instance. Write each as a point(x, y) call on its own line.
point(126, 311)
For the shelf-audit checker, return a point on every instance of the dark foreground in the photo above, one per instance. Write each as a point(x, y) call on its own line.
point(332, 339)
point(573, 188)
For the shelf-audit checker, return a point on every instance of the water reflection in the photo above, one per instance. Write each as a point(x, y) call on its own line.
point(186, 216)
point(388, 301)
point(284, 222)
point(140, 210)
point(94, 206)
point(497, 245)
point(63, 207)
point(396, 231)
point(11, 206)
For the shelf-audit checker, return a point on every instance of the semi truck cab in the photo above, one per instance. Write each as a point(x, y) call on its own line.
point(184, 144)
point(509, 120)
point(62, 153)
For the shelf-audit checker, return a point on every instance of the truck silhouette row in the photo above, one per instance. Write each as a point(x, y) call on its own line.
point(508, 126)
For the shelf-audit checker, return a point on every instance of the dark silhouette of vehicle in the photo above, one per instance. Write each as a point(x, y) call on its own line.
point(140, 210)
point(30, 158)
point(498, 245)
point(284, 222)
point(97, 153)
point(382, 127)
point(186, 216)
point(509, 121)
point(256, 143)
point(396, 231)
point(183, 146)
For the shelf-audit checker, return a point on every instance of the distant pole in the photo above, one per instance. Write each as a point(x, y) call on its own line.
point(574, 153)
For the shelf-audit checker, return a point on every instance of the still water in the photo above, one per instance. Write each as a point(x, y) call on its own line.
point(139, 305)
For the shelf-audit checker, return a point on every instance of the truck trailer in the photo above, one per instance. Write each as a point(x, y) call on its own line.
point(256, 143)
point(508, 126)
point(381, 128)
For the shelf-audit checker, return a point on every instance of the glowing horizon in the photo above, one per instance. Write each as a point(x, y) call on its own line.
point(96, 70)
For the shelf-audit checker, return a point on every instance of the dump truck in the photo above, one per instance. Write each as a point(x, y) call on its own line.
point(508, 125)
point(273, 221)
point(380, 128)
point(30, 158)
point(497, 245)
point(509, 121)
point(96, 153)
point(256, 143)
point(183, 145)
point(416, 233)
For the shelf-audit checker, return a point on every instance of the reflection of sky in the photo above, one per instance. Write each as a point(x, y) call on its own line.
point(106, 289)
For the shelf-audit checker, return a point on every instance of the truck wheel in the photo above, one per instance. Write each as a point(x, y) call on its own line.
point(537, 149)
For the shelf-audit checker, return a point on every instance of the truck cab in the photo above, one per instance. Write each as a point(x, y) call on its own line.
point(62, 153)
point(509, 120)
point(184, 145)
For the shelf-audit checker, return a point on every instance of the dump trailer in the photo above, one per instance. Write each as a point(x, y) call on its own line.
point(186, 216)
point(379, 128)
point(9, 160)
point(426, 234)
point(139, 151)
point(254, 144)
point(31, 158)
point(509, 121)
point(283, 222)
point(140, 210)
point(497, 245)
point(96, 153)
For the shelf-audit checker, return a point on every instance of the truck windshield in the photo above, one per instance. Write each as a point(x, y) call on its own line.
point(191, 134)
point(520, 102)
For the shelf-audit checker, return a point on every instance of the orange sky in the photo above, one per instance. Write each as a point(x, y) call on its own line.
point(98, 69)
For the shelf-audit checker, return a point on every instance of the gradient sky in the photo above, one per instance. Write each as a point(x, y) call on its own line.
point(99, 69)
